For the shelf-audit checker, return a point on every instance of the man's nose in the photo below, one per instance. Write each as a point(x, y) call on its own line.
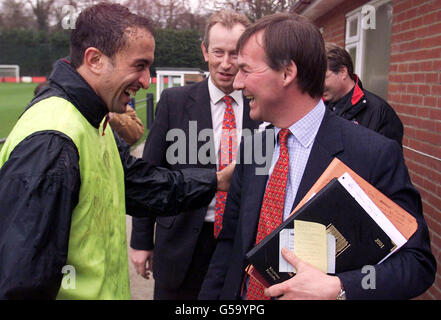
point(226, 61)
point(144, 80)
point(238, 83)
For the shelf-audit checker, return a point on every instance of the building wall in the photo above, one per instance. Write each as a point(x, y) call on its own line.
point(334, 22)
point(415, 94)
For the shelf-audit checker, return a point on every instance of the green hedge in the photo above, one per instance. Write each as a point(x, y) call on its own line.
point(35, 52)
point(178, 48)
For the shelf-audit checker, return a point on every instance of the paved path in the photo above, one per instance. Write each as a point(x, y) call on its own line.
point(141, 289)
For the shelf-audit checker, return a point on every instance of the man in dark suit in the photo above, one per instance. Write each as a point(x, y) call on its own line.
point(194, 114)
point(283, 76)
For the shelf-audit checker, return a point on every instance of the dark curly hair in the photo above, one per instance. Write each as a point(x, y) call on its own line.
point(338, 58)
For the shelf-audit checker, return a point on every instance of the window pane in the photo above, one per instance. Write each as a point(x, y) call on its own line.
point(353, 53)
point(376, 57)
point(353, 28)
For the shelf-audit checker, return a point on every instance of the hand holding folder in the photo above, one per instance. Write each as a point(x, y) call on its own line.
point(304, 286)
point(350, 210)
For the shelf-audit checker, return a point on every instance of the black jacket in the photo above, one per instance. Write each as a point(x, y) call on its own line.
point(370, 111)
point(39, 189)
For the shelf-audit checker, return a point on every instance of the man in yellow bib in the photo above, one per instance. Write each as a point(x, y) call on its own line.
point(66, 182)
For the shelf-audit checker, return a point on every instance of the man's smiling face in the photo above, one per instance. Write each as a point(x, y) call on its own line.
point(221, 55)
point(261, 84)
point(128, 70)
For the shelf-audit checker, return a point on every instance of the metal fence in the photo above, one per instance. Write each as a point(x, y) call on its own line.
point(150, 115)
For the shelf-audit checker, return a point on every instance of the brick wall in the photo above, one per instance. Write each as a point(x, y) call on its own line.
point(415, 94)
point(334, 22)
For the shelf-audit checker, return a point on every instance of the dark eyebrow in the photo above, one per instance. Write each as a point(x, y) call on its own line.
point(143, 61)
point(242, 65)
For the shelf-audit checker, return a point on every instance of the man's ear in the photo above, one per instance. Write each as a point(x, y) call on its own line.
point(94, 60)
point(289, 73)
point(343, 73)
point(204, 52)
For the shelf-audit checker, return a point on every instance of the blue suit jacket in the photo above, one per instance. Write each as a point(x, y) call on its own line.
point(377, 159)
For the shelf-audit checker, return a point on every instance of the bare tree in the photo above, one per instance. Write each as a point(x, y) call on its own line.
point(145, 8)
point(14, 16)
point(49, 14)
point(256, 9)
point(42, 12)
point(169, 11)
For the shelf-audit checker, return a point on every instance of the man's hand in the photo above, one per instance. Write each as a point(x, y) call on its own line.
point(309, 283)
point(143, 261)
point(224, 177)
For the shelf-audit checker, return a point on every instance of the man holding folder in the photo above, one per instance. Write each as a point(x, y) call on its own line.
point(282, 66)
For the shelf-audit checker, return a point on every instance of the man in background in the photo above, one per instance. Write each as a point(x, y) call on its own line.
point(183, 246)
point(344, 95)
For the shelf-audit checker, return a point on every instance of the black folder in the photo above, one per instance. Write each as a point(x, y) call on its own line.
point(360, 240)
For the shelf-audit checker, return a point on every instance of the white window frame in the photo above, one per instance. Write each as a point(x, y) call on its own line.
point(358, 40)
point(356, 16)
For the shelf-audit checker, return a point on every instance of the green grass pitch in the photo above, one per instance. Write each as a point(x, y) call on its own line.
point(14, 97)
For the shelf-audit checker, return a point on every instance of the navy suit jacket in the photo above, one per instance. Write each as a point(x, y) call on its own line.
point(176, 236)
point(377, 159)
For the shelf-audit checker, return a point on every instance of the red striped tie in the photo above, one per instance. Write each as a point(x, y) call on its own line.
point(227, 153)
point(271, 212)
